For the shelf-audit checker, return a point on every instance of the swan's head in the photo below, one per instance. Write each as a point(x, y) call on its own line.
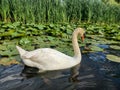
point(81, 31)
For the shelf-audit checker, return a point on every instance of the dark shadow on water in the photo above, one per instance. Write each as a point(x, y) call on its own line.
point(89, 75)
point(114, 51)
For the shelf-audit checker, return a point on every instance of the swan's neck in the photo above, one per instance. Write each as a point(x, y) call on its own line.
point(76, 48)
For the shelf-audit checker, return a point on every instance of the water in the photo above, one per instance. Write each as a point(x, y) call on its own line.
point(94, 73)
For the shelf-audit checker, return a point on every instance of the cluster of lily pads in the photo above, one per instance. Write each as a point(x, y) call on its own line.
point(58, 36)
point(17, 29)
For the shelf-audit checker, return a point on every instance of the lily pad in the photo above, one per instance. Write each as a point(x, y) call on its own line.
point(115, 47)
point(50, 38)
point(8, 53)
point(8, 61)
point(24, 41)
point(28, 47)
point(2, 47)
point(8, 50)
point(96, 48)
point(113, 58)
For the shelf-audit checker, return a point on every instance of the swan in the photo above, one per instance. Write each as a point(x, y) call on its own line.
point(47, 59)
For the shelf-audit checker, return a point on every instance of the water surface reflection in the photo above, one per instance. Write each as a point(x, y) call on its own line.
point(91, 75)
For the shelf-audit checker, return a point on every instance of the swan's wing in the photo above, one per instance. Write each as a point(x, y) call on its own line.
point(47, 54)
point(50, 58)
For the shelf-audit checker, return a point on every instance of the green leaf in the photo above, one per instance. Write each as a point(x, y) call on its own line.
point(115, 47)
point(50, 38)
point(51, 25)
point(40, 27)
point(15, 34)
point(2, 30)
point(3, 47)
point(113, 58)
point(69, 31)
point(8, 61)
point(5, 53)
point(95, 48)
point(24, 41)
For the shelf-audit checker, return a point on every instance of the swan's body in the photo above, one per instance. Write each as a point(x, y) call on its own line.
point(47, 59)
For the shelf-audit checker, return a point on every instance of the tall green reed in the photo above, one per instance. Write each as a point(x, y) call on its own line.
point(52, 11)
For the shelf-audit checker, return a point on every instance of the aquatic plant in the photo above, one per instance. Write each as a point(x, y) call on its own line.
point(52, 11)
point(32, 36)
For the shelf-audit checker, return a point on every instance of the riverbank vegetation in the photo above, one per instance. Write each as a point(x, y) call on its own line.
point(52, 11)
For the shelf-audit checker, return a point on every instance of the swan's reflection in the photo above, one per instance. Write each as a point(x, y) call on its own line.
point(73, 73)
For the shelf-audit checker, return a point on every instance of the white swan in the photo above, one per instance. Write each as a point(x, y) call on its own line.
point(46, 59)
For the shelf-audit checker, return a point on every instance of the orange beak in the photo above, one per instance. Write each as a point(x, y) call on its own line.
point(82, 38)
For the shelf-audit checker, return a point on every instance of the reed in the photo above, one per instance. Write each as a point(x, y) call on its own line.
point(52, 11)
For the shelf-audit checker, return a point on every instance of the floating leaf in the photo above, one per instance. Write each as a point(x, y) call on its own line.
point(15, 34)
point(118, 37)
point(2, 30)
point(9, 52)
point(69, 31)
point(29, 47)
point(50, 38)
point(24, 41)
point(51, 25)
point(15, 24)
point(113, 58)
point(5, 53)
point(115, 47)
point(3, 47)
point(96, 48)
point(40, 27)
point(4, 60)
point(8, 61)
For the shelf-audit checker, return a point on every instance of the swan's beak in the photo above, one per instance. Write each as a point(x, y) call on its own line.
point(82, 37)
point(21, 51)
